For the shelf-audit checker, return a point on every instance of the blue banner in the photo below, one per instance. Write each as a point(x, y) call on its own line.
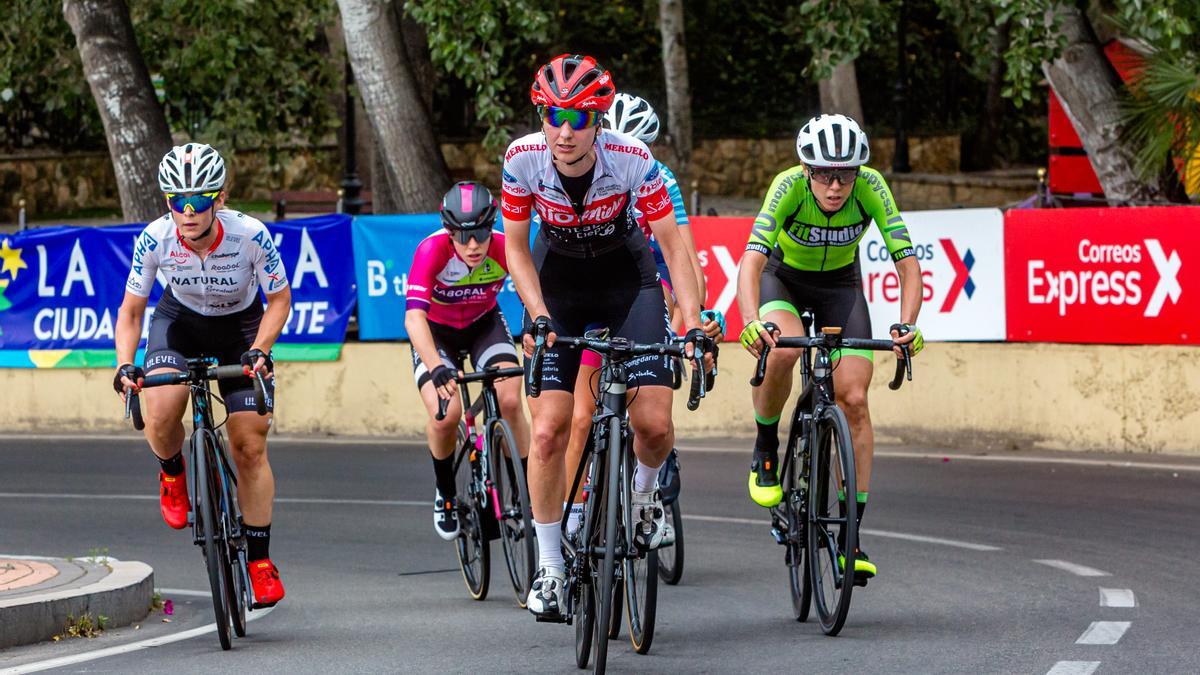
point(60, 288)
point(384, 247)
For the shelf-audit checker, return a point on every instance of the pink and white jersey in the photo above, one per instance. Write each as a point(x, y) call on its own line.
point(450, 292)
point(625, 175)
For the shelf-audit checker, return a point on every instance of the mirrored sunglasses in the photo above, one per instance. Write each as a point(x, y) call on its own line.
point(576, 119)
point(198, 203)
point(827, 176)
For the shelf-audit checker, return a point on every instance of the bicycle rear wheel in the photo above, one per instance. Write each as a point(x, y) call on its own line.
point(796, 557)
point(670, 558)
point(511, 506)
point(472, 545)
point(215, 553)
point(640, 569)
point(832, 520)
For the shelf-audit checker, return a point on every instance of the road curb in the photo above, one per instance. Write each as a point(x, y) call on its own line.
point(123, 595)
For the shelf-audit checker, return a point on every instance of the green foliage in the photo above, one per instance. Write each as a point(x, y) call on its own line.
point(43, 94)
point(1161, 107)
point(1036, 37)
point(240, 73)
point(477, 43)
point(836, 32)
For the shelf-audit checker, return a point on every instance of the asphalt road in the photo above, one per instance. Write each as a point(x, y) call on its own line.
point(372, 589)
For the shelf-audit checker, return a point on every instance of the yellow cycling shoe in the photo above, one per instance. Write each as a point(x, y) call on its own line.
point(864, 569)
point(764, 482)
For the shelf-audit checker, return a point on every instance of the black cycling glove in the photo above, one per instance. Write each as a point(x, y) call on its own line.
point(442, 376)
point(129, 370)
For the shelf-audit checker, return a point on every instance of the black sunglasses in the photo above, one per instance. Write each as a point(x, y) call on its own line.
point(479, 234)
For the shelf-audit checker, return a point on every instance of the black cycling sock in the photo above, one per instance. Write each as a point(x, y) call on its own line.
point(862, 506)
point(768, 436)
point(258, 542)
point(173, 466)
point(443, 472)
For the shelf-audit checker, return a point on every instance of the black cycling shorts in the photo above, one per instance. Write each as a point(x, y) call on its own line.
point(178, 334)
point(487, 340)
point(834, 296)
point(619, 289)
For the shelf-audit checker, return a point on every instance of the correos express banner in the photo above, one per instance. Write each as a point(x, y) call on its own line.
point(1128, 275)
point(384, 247)
point(61, 287)
point(961, 257)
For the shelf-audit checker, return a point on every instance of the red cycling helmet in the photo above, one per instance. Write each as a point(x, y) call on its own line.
point(573, 81)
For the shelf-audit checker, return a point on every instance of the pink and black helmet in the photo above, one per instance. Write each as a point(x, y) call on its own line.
point(468, 206)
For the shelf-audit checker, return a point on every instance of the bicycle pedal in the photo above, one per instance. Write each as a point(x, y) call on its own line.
point(780, 537)
point(551, 619)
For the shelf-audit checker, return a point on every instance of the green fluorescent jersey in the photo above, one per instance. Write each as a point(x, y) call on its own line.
point(811, 240)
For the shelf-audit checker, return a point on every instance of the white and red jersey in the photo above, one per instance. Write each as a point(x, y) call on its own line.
point(225, 280)
point(626, 175)
point(450, 292)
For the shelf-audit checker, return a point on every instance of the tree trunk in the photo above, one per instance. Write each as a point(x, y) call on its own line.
point(134, 123)
point(839, 94)
point(982, 154)
point(411, 157)
point(679, 93)
point(416, 48)
point(1089, 87)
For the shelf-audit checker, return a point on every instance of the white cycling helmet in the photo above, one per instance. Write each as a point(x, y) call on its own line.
point(194, 167)
point(632, 115)
point(832, 141)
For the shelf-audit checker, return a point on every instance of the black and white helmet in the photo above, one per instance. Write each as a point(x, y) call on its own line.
point(632, 115)
point(194, 167)
point(832, 141)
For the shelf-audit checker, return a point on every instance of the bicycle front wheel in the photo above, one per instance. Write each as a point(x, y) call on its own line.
point(510, 503)
point(832, 520)
point(215, 554)
point(472, 545)
point(640, 568)
point(794, 508)
point(608, 566)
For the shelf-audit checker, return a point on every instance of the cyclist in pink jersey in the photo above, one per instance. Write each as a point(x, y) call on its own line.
point(452, 311)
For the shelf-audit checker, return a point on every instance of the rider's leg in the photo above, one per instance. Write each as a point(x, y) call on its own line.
point(508, 392)
point(164, 417)
point(851, 377)
point(653, 432)
point(256, 483)
point(442, 437)
point(551, 419)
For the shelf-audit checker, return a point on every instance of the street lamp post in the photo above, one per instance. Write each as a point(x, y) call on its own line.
point(351, 186)
point(900, 156)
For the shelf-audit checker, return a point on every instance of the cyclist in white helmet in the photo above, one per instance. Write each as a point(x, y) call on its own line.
point(803, 254)
point(213, 261)
point(635, 116)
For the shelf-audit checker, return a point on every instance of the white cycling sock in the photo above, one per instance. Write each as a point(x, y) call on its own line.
point(644, 477)
point(574, 518)
point(549, 545)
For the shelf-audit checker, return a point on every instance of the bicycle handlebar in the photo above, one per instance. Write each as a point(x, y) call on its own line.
point(487, 376)
point(822, 340)
point(133, 407)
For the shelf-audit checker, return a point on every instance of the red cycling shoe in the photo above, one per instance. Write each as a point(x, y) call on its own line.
point(173, 499)
point(264, 577)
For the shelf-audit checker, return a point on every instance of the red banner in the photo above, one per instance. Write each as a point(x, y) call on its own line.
point(1106, 275)
point(719, 243)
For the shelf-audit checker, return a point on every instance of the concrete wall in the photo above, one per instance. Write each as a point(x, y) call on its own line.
point(1070, 397)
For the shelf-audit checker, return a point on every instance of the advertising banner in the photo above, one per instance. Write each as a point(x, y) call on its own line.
point(1104, 275)
point(61, 287)
point(961, 256)
point(383, 254)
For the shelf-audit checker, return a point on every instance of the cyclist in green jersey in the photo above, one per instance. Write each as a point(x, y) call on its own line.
point(803, 254)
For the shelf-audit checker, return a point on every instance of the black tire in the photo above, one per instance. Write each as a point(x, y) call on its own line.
point(640, 573)
point(472, 545)
point(618, 604)
point(607, 567)
point(237, 591)
point(215, 553)
point(511, 502)
point(796, 556)
point(588, 596)
point(670, 558)
point(238, 582)
point(829, 523)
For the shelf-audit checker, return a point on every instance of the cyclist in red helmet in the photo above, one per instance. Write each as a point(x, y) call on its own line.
point(590, 264)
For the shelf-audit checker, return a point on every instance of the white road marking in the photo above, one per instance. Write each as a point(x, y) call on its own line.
point(1117, 597)
point(1079, 570)
point(876, 533)
point(1074, 668)
point(132, 646)
point(1104, 633)
point(278, 500)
